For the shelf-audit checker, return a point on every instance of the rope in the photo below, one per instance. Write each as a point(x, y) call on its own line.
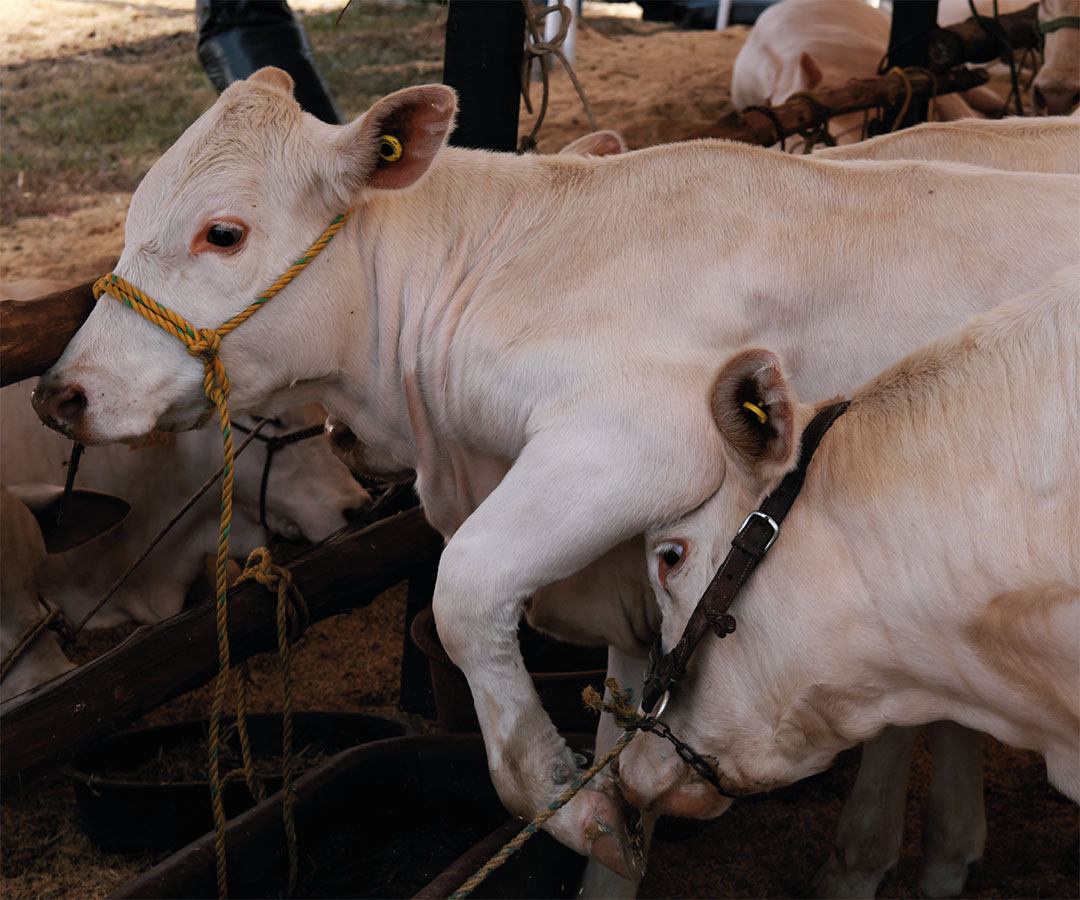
point(54, 619)
point(205, 343)
point(535, 48)
point(907, 100)
point(292, 619)
point(209, 483)
point(626, 716)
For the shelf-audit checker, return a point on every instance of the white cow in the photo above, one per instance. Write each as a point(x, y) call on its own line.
point(22, 549)
point(929, 569)
point(1056, 89)
point(309, 494)
point(529, 334)
point(1018, 144)
point(803, 45)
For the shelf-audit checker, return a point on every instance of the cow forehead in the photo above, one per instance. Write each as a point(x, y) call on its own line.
point(229, 150)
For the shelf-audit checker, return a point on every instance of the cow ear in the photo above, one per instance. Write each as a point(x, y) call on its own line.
point(272, 77)
point(393, 144)
point(754, 410)
point(599, 143)
point(810, 71)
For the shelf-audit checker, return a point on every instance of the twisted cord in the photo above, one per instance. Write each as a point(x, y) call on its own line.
point(292, 618)
point(205, 343)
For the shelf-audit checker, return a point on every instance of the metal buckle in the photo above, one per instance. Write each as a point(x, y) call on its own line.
point(771, 522)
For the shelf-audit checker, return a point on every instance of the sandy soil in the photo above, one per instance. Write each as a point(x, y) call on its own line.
point(654, 85)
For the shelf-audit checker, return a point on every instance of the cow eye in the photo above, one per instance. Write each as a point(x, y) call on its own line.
point(670, 555)
point(224, 234)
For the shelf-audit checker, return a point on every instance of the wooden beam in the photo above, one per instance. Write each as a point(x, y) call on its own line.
point(45, 726)
point(909, 32)
point(970, 42)
point(808, 111)
point(33, 333)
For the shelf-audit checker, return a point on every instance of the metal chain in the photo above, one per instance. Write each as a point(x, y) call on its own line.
point(686, 753)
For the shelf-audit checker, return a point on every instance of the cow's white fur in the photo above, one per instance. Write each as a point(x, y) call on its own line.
point(534, 337)
point(1016, 144)
point(930, 568)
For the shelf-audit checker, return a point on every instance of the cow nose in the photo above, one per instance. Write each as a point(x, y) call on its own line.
point(353, 513)
point(61, 405)
point(1055, 101)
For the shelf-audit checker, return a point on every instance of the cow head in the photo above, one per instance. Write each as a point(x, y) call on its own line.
point(227, 209)
point(730, 708)
point(1056, 90)
point(309, 493)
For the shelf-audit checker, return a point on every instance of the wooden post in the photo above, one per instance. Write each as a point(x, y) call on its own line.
point(909, 38)
point(417, 695)
point(33, 333)
point(969, 42)
point(45, 726)
point(482, 62)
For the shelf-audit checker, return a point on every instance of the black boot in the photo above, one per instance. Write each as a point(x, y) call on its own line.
point(237, 37)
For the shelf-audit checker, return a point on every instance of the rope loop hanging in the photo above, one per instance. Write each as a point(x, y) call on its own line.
point(536, 48)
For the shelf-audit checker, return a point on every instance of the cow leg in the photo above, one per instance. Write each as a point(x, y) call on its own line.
point(600, 882)
point(868, 835)
point(571, 495)
point(954, 822)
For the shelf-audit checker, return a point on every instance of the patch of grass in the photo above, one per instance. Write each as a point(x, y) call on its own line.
point(97, 122)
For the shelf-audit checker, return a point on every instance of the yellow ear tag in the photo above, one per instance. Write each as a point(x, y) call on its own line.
point(390, 148)
point(757, 411)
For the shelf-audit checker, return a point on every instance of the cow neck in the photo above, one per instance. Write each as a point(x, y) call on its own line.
point(758, 533)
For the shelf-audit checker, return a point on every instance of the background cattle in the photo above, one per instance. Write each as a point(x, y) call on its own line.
point(412, 328)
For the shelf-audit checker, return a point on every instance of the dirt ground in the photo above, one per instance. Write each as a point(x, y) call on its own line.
point(653, 84)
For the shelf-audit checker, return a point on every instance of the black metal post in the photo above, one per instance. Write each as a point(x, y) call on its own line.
point(909, 41)
point(482, 62)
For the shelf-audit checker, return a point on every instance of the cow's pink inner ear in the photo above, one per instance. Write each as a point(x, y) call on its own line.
point(420, 119)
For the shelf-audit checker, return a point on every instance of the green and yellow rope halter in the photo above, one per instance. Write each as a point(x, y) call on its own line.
point(206, 343)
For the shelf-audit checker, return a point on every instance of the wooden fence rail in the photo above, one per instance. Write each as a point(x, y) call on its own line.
point(809, 111)
point(45, 726)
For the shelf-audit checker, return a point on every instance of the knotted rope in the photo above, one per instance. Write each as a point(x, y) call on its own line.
point(538, 49)
point(205, 343)
point(626, 715)
point(292, 619)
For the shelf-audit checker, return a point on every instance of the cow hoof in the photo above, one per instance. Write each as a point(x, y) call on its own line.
point(610, 839)
point(944, 878)
point(836, 880)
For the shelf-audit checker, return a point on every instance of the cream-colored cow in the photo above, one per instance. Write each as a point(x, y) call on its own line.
point(534, 337)
point(1017, 144)
point(929, 569)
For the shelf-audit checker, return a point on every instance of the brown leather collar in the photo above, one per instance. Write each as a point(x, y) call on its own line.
point(749, 545)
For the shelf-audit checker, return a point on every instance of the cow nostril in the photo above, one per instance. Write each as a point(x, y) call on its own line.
point(69, 404)
point(353, 513)
point(1039, 99)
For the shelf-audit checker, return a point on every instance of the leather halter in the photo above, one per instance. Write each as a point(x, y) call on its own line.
point(748, 547)
point(273, 444)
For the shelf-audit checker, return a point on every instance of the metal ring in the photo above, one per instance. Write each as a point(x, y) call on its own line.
point(660, 710)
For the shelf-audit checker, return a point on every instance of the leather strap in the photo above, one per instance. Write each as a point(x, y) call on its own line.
point(748, 547)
